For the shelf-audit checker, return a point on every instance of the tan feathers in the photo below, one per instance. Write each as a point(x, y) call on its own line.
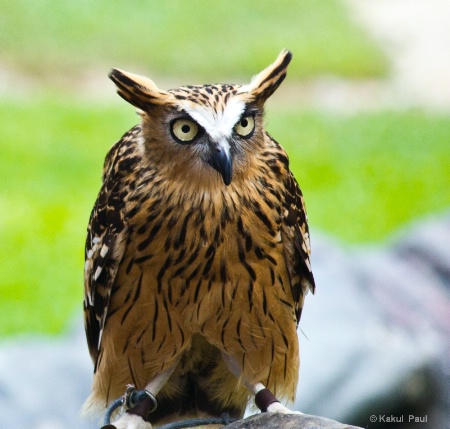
point(265, 83)
point(197, 250)
point(139, 90)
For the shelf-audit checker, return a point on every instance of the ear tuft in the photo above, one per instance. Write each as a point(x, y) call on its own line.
point(138, 90)
point(265, 83)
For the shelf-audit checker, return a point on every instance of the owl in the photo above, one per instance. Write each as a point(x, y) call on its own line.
point(197, 256)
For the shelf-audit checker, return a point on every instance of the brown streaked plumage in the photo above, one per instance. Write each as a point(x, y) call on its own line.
point(197, 253)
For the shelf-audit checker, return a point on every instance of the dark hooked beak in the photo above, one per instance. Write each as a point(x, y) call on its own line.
point(222, 162)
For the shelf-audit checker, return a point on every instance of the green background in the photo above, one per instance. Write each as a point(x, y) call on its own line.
point(363, 174)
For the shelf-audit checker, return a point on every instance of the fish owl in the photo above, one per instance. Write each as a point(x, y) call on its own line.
point(197, 256)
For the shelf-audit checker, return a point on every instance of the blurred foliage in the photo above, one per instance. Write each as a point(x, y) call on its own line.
point(362, 177)
point(365, 175)
point(52, 149)
point(199, 40)
point(50, 169)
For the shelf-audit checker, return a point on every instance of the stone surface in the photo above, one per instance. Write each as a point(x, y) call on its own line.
point(376, 335)
point(287, 421)
point(44, 382)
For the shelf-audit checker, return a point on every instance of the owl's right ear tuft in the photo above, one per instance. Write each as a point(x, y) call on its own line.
point(138, 90)
point(266, 82)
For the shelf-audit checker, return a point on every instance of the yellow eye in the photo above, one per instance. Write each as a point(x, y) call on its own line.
point(184, 130)
point(245, 126)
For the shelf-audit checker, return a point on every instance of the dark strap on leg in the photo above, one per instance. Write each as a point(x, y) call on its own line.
point(144, 407)
point(264, 398)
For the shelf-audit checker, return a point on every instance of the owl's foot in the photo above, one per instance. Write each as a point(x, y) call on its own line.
point(129, 421)
point(140, 404)
point(278, 407)
point(265, 400)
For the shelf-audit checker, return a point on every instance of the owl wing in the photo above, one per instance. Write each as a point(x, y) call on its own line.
point(295, 236)
point(106, 239)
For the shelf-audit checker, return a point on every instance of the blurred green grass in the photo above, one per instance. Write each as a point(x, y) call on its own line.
point(199, 40)
point(50, 168)
point(362, 176)
point(366, 175)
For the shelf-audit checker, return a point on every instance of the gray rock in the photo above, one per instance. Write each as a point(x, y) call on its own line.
point(44, 381)
point(287, 421)
point(377, 332)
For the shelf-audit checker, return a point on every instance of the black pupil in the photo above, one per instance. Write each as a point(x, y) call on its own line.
point(185, 128)
point(244, 123)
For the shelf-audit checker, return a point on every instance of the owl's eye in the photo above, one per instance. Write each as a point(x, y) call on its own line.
point(245, 126)
point(184, 130)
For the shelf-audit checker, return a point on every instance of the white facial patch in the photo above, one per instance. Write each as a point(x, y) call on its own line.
point(225, 145)
point(219, 125)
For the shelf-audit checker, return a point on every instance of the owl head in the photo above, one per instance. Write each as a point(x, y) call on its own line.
point(206, 131)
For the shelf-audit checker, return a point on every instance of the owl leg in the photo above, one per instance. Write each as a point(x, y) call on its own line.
point(136, 418)
point(265, 400)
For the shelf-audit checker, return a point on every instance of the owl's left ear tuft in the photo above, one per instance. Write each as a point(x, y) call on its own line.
point(138, 90)
point(265, 83)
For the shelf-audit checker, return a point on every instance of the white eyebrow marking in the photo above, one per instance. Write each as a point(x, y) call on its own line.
point(216, 124)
